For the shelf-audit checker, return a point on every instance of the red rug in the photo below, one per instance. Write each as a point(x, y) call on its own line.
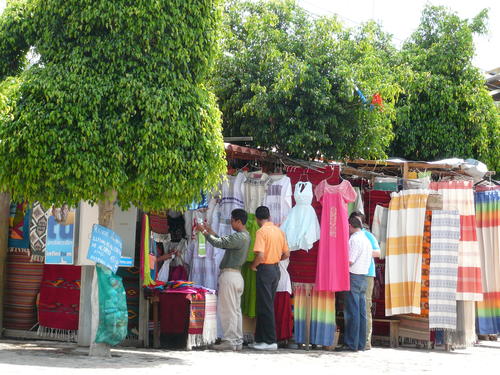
point(60, 297)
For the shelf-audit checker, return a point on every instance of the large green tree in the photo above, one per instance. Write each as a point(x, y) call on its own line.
point(446, 110)
point(288, 80)
point(116, 101)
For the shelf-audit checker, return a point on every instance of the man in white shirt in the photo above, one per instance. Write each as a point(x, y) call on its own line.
point(360, 256)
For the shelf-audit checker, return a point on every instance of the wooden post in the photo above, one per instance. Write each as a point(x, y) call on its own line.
point(106, 209)
point(4, 245)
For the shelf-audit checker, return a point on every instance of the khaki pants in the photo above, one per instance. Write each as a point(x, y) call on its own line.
point(229, 306)
point(369, 293)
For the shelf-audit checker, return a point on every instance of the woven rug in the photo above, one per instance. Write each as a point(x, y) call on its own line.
point(283, 316)
point(426, 266)
point(403, 272)
point(38, 232)
point(210, 322)
point(459, 195)
point(130, 277)
point(488, 230)
point(22, 287)
point(19, 228)
point(196, 314)
point(59, 301)
point(445, 233)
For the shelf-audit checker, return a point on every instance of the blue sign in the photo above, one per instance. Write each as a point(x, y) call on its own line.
point(59, 245)
point(126, 262)
point(105, 247)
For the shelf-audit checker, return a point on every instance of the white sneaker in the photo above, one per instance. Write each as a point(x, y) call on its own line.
point(264, 346)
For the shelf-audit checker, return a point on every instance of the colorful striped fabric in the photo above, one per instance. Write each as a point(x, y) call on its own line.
point(426, 264)
point(459, 195)
point(488, 223)
point(322, 307)
point(196, 314)
point(23, 284)
point(403, 273)
point(445, 233)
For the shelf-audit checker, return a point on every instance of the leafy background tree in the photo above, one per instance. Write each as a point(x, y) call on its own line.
point(288, 80)
point(446, 110)
point(116, 101)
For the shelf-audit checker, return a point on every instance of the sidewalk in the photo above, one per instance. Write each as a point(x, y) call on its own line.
point(49, 358)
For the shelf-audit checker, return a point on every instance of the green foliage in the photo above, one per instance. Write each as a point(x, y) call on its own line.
point(447, 111)
point(288, 80)
point(116, 101)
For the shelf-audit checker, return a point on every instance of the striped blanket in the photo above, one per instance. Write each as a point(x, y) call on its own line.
point(19, 228)
point(403, 274)
point(426, 264)
point(322, 306)
point(445, 233)
point(459, 195)
point(488, 224)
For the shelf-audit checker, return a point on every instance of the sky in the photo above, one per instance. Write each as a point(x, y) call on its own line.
point(401, 18)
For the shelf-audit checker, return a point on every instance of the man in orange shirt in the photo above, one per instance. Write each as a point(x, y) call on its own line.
point(270, 247)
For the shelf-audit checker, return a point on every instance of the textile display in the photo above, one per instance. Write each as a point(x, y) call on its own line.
point(279, 198)
point(426, 266)
point(255, 188)
point(386, 183)
point(232, 198)
point(174, 313)
point(283, 316)
point(59, 303)
point(358, 204)
point(38, 232)
point(131, 282)
point(488, 229)
point(159, 223)
point(459, 195)
point(332, 272)
point(445, 234)
point(465, 334)
point(372, 199)
point(196, 319)
point(322, 307)
point(19, 227)
point(379, 227)
point(210, 322)
point(23, 281)
point(113, 314)
point(403, 272)
point(147, 259)
point(302, 268)
point(249, 296)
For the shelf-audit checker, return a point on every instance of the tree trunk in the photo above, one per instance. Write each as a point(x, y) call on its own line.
point(4, 240)
point(106, 210)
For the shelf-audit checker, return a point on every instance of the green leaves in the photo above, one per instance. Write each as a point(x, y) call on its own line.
point(116, 102)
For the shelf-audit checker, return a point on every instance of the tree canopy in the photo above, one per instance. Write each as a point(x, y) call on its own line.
point(446, 110)
point(116, 101)
point(288, 80)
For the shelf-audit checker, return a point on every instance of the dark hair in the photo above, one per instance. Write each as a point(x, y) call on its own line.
point(262, 213)
point(240, 215)
point(355, 221)
point(358, 215)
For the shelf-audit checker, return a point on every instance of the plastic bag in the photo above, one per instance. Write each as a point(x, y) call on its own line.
point(113, 314)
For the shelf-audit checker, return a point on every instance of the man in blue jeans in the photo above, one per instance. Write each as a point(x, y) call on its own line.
point(360, 255)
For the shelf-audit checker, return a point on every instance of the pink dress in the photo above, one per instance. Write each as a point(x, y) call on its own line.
point(332, 269)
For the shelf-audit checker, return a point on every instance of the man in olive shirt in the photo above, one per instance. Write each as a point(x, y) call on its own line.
point(230, 279)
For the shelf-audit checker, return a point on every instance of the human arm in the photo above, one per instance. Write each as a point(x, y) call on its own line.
point(259, 258)
point(286, 251)
point(258, 248)
point(234, 241)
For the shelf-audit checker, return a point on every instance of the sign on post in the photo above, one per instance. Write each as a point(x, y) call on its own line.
point(105, 247)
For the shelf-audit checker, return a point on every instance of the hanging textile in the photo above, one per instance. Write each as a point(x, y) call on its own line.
point(21, 289)
point(38, 232)
point(445, 234)
point(232, 198)
point(379, 227)
point(488, 229)
point(357, 205)
point(249, 296)
point(59, 301)
point(426, 265)
point(322, 312)
point(19, 227)
point(332, 273)
point(458, 195)
point(147, 259)
point(283, 316)
point(279, 198)
point(403, 273)
point(131, 283)
point(465, 334)
point(210, 322)
point(255, 188)
point(196, 319)
point(372, 199)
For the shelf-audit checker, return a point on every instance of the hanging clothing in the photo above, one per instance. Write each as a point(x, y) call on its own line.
point(279, 198)
point(459, 195)
point(248, 299)
point(332, 272)
point(426, 264)
point(403, 273)
point(233, 197)
point(379, 227)
point(488, 230)
point(357, 205)
point(283, 316)
point(301, 226)
point(372, 199)
point(255, 187)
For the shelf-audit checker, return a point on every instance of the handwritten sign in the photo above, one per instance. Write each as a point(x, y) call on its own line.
point(105, 247)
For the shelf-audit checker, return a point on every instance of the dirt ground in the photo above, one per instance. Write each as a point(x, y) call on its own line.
point(43, 357)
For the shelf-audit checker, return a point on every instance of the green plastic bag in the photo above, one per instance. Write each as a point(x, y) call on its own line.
point(113, 314)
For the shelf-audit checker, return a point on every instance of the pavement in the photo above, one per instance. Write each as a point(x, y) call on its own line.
point(54, 358)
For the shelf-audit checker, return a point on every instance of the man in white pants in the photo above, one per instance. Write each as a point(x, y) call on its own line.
point(230, 279)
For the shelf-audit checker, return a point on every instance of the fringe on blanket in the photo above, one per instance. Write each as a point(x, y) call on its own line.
point(37, 258)
point(59, 334)
point(19, 250)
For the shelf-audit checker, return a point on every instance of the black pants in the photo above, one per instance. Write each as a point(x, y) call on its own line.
point(268, 276)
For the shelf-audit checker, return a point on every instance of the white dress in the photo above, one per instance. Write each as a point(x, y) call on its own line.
point(301, 226)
